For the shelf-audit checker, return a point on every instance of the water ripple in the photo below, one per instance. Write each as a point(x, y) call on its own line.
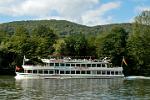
point(74, 89)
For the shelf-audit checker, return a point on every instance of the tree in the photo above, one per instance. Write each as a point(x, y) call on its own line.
point(17, 45)
point(21, 31)
point(99, 43)
point(3, 35)
point(22, 43)
point(139, 44)
point(75, 45)
point(44, 31)
point(91, 39)
point(143, 18)
point(45, 38)
point(114, 45)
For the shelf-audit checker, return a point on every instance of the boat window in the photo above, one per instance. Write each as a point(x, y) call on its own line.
point(108, 72)
point(78, 65)
point(67, 72)
point(103, 72)
point(56, 64)
point(116, 73)
point(29, 71)
point(61, 72)
point(98, 72)
point(82, 65)
point(62, 64)
point(25, 71)
point(103, 65)
point(82, 72)
point(67, 65)
point(72, 64)
point(45, 71)
point(50, 72)
point(98, 65)
point(88, 65)
point(112, 72)
point(34, 71)
point(88, 72)
point(77, 72)
point(72, 72)
point(93, 65)
point(51, 64)
point(41, 71)
point(56, 71)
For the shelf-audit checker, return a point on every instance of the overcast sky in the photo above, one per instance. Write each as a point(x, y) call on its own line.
point(86, 12)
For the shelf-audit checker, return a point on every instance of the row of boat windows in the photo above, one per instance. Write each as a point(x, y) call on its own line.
point(73, 72)
point(79, 65)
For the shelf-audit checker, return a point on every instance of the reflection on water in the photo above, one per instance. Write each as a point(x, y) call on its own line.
point(73, 89)
point(63, 89)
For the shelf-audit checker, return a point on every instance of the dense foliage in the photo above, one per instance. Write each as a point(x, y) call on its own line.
point(32, 44)
point(139, 45)
point(40, 39)
point(114, 45)
point(76, 45)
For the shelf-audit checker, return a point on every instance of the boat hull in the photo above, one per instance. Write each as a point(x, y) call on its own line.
point(64, 76)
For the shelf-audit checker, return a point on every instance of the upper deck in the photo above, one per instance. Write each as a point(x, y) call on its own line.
point(74, 64)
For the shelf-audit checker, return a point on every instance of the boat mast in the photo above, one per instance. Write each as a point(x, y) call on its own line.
point(24, 59)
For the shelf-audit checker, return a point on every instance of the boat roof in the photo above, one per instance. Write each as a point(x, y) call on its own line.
point(85, 61)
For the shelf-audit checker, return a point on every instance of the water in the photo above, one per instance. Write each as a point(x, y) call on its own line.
point(73, 89)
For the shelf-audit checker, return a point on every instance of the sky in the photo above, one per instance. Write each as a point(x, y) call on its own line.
point(85, 12)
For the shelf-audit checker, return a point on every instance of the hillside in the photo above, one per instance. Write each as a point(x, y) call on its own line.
point(61, 27)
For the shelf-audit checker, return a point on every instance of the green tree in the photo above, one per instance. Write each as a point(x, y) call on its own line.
point(114, 45)
point(91, 39)
point(16, 45)
point(139, 44)
point(45, 38)
point(75, 45)
point(99, 40)
point(21, 31)
point(2, 35)
point(38, 43)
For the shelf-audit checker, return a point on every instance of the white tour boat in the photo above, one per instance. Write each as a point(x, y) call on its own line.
point(69, 68)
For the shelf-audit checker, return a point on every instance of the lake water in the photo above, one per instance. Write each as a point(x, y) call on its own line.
point(73, 89)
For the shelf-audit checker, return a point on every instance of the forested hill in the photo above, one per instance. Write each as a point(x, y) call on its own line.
point(61, 27)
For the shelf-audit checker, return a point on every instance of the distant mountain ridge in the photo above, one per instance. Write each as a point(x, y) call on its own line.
point(62, 27)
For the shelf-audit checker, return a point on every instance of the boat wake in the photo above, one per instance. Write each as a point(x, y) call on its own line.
point(136, 77)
